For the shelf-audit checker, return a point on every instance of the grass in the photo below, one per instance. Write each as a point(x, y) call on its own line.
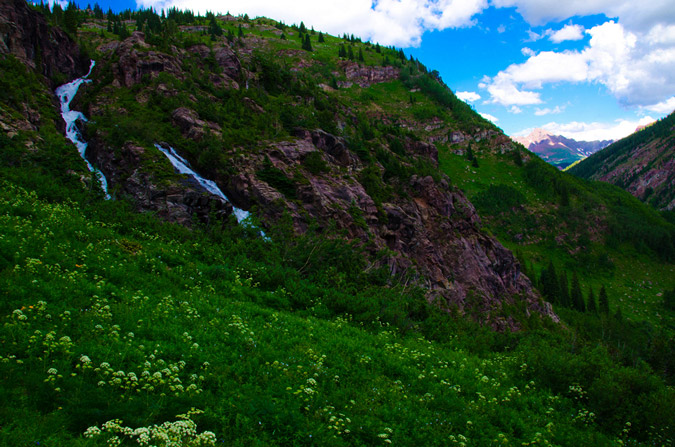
point(107, 320)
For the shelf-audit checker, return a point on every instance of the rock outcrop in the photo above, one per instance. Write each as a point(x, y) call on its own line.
point(26, 34)
point(432, 234)
point(176, 201)
point(135, 60)
point(365, 76)
point(191, 126)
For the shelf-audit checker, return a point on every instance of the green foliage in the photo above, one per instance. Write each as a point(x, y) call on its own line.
point(291, 325)
point(277, 179)
point(315, 163)
point(499, 198)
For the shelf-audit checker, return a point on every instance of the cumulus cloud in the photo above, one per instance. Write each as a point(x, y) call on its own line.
point(390, 22)
point(468, 96)
point(663, 107)
point(595, 131)
point(636, 16)
point(515, 110)
point(527, 51)
point(547, 111)
point(568, 32)
point(637, 70)
point(503, 91)
point(489, 117)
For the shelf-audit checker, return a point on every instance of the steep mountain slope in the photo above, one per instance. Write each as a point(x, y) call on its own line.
point(558, 150)
point(297, 337)
point(643, 164)
point(279, 139)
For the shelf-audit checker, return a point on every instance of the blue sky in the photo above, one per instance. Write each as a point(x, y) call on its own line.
point(586, 69)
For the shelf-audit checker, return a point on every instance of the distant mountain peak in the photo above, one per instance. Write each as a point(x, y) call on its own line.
point(558, 150)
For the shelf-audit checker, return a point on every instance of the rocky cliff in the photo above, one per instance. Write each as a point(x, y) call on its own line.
point(642, 163)
point(26, 34)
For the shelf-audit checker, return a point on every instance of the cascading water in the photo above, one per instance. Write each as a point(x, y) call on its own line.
point(66, 93)
point(183, 167)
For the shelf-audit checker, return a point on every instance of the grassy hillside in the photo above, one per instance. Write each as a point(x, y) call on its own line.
point(293, 340)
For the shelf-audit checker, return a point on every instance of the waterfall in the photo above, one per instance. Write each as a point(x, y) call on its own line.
point(66, 93)
point(183, 167)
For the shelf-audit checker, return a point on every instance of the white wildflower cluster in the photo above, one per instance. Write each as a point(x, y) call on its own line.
point(337, 422)
point(170, 307)
point(160, 377)
point(584, 417)
point(240, 326)
point(180, 433)
point(19, 315)
point(459, 440)
point(52, 376)
point(386, 435)
point(101, 308)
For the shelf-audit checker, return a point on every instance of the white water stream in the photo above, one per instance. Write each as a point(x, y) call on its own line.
point(183, 167)
point(66, 93)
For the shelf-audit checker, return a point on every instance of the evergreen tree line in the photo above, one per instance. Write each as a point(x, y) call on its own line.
point(558, 290)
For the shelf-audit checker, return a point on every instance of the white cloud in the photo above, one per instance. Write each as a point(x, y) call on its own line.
point(489, 117)
point(532, 36)
point(501, 29)
point(503, 91)
point(527, 52)
point(568, 32)
point(596, 130)
point(634, 69)
point(547, 111)
point(515, 110)
point(636, 16)
point(390, 22)
point(663, 107)
point(468, 96)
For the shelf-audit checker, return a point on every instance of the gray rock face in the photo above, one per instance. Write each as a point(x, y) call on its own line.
point(191, 126)
point(365, 76)
point(432, 234)
point(136, 61)
point(25, 34)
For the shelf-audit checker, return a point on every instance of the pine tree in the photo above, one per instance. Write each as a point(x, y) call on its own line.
point(549, 284)
point(603, 301)
point(70, 19)
point(564, 196)
point(564, 293)
point(321, 40)
point(591, 305)
point(361, 56)
point(307, 44)
point(469, 152)
point(575, 294)
point(377, 48)
point(241, 32)
point(342, 52)
point(302, 28)
point(350, 53)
